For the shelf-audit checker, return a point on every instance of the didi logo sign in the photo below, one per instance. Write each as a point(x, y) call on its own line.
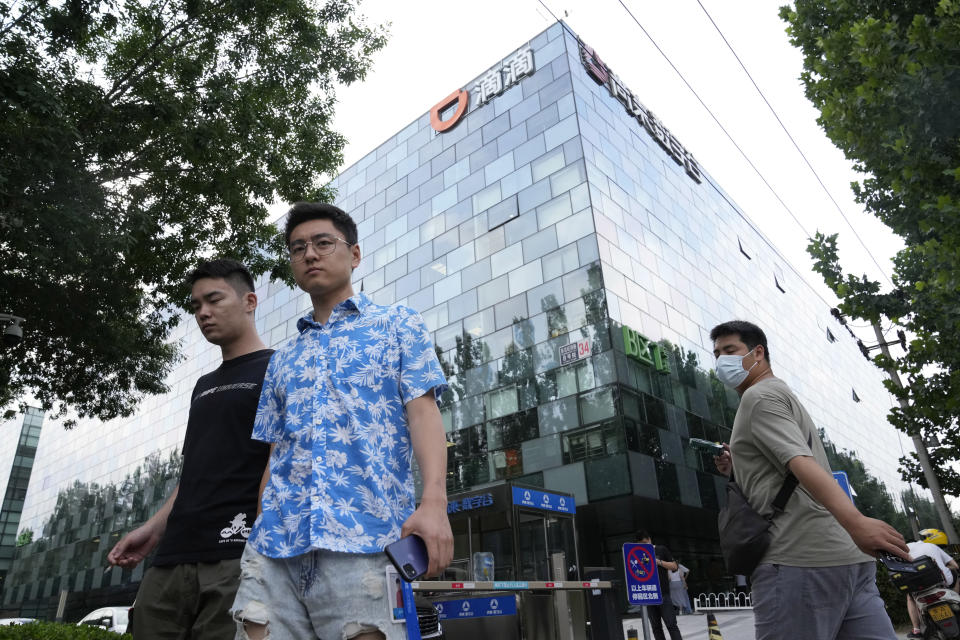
point(490, 85)
point(459, 97)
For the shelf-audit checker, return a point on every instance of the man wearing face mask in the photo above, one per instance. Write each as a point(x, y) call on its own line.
point(817, 579)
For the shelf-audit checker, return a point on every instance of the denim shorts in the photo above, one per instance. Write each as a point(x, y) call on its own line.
point(320, 594)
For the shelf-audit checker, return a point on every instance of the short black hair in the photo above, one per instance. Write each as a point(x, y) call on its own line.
point(232, 271)
point(304, 211)
point(643, 534)
point(750, 334)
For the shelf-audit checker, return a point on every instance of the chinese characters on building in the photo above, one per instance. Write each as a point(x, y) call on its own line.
point(602, 74)
point(470, 502)
point(644, 350)
point(498, 80)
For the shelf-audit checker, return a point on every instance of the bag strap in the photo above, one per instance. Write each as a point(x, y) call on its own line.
point(790, 483)
point(786, 490)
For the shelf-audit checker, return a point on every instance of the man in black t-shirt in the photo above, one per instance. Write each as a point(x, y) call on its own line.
point(665, 611)
point(201, 530)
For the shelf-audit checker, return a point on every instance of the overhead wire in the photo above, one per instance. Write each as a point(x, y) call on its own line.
point(722, 128)
point(715, 119)
point(794, 142)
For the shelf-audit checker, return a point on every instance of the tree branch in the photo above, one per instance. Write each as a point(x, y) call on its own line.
point(132, 73)
point(23, 16)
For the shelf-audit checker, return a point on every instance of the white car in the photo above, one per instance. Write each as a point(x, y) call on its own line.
point(109, 618)
point(12, 622)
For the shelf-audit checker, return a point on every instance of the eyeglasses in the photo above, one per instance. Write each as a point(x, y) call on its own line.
point(323, 245)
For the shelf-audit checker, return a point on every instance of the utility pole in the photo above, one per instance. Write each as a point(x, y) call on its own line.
point(932, 482)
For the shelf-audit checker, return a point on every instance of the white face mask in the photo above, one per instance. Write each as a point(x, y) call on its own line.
point(730, 369)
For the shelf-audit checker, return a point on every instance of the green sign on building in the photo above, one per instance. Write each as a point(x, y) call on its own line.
point(644, 350)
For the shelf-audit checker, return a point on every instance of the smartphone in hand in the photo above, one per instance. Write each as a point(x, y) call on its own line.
point(706, 445)
point(409, 555)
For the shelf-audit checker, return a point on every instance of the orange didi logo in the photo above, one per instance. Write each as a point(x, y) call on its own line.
point(459, 97)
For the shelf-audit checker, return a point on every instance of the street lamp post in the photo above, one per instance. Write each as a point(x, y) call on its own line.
point(12, 331)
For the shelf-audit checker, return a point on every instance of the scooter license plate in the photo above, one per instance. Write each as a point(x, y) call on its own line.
point(941, 612)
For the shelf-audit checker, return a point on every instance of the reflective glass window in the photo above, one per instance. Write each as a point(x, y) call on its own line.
point(568, 178)
point(525, 278)
point(445, 243)
point(490, 293)
point(560, 262)
point(486, 198)
point(507, 463)
point(547, 296)
point(584, 371)
point(582, 281)
point(480, 324)
point(667, 481)
point(460, 258)
point(510, 311)
point(607, 477)
point(547, 164)
point(557, 383)
point(554, 211)
point(516, 364)
point(489, 243)
point(557, 416)
point(498, 342)
point(502, 402)
point(598, 405)
point(482, 378)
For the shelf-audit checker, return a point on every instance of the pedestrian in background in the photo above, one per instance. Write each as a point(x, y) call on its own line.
point(665, 612)
point(678, 589)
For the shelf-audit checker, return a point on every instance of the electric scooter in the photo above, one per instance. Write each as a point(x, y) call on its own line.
point(939, 605)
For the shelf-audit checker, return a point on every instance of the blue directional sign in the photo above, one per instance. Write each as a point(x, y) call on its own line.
point(640, 568)
point(844, 482)
point(543, 500)
point(490, 606)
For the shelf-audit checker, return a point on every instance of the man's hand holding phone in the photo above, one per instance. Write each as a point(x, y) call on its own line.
point(724, 461)
point(431, 524)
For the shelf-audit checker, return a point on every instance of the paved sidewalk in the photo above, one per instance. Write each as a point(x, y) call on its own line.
point(733, 625)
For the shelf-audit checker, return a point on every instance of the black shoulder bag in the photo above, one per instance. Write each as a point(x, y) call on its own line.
point(745, 534)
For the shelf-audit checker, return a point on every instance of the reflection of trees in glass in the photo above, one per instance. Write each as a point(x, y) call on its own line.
point(25, 537)
point(873, 499)
point(556, 316)
point(468, 352)
point(721, 403)
point(85, 510)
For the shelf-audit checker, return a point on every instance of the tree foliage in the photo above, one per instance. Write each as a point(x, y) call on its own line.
point(138, 137)
point(886, 79)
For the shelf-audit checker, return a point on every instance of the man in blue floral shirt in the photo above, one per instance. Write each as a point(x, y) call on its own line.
point(345, 405)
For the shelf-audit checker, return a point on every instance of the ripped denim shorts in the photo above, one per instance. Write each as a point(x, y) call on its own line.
point(320, 594)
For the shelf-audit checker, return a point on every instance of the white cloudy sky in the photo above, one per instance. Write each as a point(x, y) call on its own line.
point(436, 47)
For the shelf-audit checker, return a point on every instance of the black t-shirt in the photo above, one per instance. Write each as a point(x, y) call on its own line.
point(663, 555)
point(222, 466)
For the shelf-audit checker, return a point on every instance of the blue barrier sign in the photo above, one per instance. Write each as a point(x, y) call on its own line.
point(511, 584)
point(844, 481)
point(543, 500)
point(640, 568)
point(477, 607)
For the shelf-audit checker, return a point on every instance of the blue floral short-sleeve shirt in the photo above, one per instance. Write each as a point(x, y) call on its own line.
point(333, 404)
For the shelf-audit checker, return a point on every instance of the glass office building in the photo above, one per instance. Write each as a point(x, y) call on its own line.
point(570, 256)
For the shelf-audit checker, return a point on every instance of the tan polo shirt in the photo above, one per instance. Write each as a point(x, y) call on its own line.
point(771, 428)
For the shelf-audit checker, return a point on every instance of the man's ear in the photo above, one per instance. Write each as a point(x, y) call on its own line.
point(250, 301)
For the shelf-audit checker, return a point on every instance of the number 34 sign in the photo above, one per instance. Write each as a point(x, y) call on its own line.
point(640, 568)
point(574, 351)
